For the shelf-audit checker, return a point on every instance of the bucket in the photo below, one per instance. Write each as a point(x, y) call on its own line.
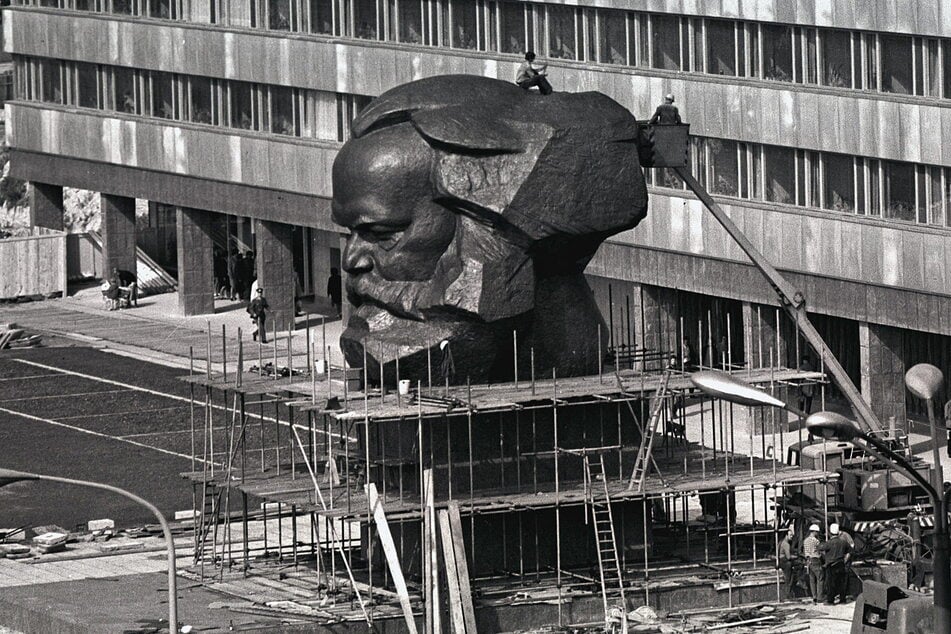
point(404, 387)
point(320, 366)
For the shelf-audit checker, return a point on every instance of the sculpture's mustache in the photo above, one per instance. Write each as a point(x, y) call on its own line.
point(403, 299)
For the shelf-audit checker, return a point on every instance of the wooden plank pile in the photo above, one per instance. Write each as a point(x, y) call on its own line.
point(12, 336)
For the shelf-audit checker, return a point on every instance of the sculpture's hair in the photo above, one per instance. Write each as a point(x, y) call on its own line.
point(559, 173)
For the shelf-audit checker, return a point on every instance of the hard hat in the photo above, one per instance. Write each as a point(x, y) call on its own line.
point(669, 96)
point(833, 529)
point(814, 527)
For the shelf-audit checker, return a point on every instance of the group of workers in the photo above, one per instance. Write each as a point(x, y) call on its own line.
point(121, 290)
point(826, 564)
point(535, 75)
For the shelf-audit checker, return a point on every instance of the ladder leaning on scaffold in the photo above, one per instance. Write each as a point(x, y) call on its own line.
point(609, 564)
point(646, 448)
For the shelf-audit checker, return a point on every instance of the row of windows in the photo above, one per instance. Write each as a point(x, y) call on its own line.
point(829, 57)
point(838, 182)
point(237, 104)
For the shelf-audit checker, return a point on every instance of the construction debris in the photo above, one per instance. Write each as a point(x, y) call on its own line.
point(12, 336)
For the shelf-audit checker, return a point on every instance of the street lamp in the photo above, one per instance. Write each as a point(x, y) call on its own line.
point(9, 476)
point(837, 427)
point(730, 388)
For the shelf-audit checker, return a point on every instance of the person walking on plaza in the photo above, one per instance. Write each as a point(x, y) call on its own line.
point(787, 563)
point(836, 552)
point(531, 74)
point(258, 310)
point(810, 550)
point(666, 113)
point(335, 289)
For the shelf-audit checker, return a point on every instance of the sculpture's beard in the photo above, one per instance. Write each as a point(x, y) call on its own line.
point(478, 286)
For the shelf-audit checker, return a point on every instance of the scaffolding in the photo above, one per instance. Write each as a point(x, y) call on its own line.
point(283, 460)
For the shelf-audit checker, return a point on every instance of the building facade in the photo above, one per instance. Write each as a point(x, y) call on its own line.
point(817, 124)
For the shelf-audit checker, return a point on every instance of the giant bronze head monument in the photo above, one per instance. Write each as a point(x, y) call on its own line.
point(473, 208)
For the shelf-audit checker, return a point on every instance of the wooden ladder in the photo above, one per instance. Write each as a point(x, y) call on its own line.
point(609, 565)
point(644, 451)
point(208, 521)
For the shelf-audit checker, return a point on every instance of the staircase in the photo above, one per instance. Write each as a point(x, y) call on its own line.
point(612, 583)
point(647, 438)
point(150, 277)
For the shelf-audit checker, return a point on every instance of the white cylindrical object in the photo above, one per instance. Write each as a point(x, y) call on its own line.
point(404, 387)
point(320, 366)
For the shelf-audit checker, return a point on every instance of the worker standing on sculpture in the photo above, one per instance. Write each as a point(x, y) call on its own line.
point(531, 74)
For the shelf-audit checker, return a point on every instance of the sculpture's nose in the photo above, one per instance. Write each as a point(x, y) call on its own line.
point(356, 256)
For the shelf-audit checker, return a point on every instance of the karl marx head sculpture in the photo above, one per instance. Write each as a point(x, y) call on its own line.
point(474, 207)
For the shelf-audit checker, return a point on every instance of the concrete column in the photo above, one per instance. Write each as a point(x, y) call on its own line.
point(881, 361)
point(196, 268)
point(661, 320)
point(759, 336)
point(275, 267)
point(118, 233)
point(46, 206)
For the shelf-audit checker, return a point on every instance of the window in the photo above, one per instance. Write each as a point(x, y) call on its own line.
point(321, 17)
point(365, 19)
point(562, 41)
point(931, 67)
point(279, 15)
point(84, 5)
point(282, 111)
point(160, 9)
point(899, 182)
point(721, 47)
point(837, 59)
point(162, 86)
point(122, 6)
point(87, 85)
point(512, 27)
point(839, 183)
point(724, 177)
point(936, 206)
point(241, 102)
point(665, 42)
point(463, 31)
point(201, 101)
point(410, 21)
point(804, 55)
point(777, 52)
point(614, 39)
point(780, 171)
point(51, 77)
point(896, 64)
point(124, 93)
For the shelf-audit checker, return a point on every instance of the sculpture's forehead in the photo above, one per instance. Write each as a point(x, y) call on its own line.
point(381, 176)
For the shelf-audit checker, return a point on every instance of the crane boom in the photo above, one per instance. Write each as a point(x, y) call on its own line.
point(791, 300)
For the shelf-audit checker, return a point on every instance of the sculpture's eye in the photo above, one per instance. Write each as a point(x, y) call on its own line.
point(384, 236)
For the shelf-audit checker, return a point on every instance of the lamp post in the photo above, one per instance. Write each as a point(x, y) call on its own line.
point(728, 387)
point(9, 476)
point(835, 426)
